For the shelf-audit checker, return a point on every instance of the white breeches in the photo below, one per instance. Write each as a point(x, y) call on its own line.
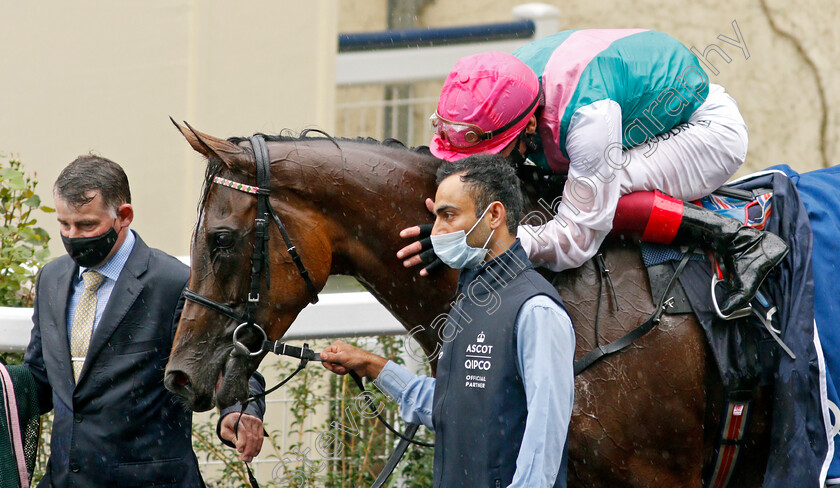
point(693, 159)
point(688, 162)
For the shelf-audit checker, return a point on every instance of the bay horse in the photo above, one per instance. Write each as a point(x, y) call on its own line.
point(648, 416)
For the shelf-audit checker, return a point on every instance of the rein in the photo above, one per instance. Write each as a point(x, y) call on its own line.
point(247, 320)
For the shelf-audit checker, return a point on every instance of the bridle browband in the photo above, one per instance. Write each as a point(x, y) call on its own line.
point(260, 257)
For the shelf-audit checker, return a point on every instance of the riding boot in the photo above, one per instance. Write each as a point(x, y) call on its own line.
point(748, 254)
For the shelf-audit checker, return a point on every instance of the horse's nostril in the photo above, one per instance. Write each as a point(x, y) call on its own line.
point(178, 382)
point(180, 378)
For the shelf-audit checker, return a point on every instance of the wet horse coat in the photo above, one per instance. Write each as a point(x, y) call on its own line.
point(646, 417)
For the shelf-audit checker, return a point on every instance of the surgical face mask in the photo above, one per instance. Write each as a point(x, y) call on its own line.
point(90, 251)
point(453, 250)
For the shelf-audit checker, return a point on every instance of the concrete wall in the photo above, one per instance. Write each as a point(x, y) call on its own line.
point(105, 76)
point(786, 87)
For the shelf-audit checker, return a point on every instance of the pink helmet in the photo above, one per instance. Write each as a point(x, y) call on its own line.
point(486, 102)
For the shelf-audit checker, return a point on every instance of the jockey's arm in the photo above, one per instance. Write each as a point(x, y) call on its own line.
point(581, 221)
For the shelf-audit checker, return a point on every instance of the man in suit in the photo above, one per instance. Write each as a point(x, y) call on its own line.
point(104, 318)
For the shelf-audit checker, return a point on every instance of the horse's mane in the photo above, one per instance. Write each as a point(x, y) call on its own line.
point(287, 135)
point(215, 165)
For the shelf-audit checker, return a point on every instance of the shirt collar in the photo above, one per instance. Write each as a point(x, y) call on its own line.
point(112, 268)
point(510, 261)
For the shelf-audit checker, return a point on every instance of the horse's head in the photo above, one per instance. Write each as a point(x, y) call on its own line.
point(201, 368)
point(342, 206)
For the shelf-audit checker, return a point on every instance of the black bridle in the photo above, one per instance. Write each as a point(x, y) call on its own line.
point(260, 263)
point(259, 258)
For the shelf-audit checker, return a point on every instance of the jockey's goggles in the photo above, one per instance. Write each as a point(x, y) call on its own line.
point(463, 134)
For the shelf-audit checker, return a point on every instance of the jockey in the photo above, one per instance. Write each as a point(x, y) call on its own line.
point(630, 117)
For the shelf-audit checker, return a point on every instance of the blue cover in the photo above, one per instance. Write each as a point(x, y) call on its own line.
point(799, 444)
point(820, 192)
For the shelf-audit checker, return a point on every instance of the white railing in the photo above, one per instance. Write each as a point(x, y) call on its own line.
point(391, 92)
point(15, 325)
point(409, 65)
point(335, 315)
point(355, 314)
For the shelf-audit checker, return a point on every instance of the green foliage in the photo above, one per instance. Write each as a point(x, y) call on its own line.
point(366, 451)
point(23, 250)
point(416, 465)
point(23, 246)
point(296, 466)
point(11, 358)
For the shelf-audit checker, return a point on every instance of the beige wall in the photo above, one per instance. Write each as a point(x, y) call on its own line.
point(105, 76)
point(793, 48)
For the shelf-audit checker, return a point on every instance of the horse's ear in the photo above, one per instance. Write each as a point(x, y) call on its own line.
point(229, 153)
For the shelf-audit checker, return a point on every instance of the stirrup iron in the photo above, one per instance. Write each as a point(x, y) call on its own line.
point(737, 314)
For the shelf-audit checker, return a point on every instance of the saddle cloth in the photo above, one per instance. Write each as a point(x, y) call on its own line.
point(746, 354)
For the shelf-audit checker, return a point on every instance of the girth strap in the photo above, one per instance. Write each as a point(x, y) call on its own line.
point(732, 434)
point(602, 351)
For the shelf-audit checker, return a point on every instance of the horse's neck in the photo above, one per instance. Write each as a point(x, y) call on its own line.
point(379, 191)
point(382, 191)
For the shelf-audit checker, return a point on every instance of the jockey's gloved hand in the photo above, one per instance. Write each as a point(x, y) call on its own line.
point(427, 253)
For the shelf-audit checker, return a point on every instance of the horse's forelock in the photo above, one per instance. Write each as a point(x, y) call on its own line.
point(214, 167)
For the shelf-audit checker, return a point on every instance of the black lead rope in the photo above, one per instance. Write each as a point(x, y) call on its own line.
point(305, 354)
point(251, 478)
point(369, 403)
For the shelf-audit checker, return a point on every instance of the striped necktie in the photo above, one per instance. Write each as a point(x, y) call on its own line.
point(83, 321)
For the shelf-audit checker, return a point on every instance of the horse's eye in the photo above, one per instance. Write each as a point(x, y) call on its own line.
point(223, 240)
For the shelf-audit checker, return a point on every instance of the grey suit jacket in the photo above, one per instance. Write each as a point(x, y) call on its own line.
point(118, 426)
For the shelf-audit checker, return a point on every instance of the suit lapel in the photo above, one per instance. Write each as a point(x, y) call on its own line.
point(62, 287)
point(125, 293)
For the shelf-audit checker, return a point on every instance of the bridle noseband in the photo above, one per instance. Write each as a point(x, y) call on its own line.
point(260, 257)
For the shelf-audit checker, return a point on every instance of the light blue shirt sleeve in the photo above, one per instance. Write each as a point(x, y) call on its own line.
point(545, 358)
point(545, 355)
point(414, 393)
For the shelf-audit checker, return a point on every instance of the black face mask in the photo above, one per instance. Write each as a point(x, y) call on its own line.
point(90, 251)
point(532, 145)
